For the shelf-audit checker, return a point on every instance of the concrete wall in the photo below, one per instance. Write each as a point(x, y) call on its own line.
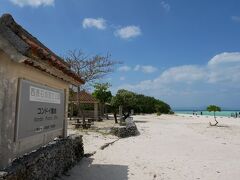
point(10, 72)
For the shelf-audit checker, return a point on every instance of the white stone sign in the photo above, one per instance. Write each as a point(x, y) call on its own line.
point(40, 109)
point(43, 95)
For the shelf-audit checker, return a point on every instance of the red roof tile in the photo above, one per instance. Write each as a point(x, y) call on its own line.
point(84, 97)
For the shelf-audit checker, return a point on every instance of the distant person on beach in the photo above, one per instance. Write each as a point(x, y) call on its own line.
point(236, 114)
point(201, 112)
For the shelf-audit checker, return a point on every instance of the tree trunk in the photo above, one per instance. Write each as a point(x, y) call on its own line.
point(106, 111)
point(120, 114)
point(126, 115)
point(101, 107)
point(115, 117)
point(80, 110)
point(215, 120)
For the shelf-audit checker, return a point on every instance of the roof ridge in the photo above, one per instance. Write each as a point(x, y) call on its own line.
point(7, 20)
point(32, 48)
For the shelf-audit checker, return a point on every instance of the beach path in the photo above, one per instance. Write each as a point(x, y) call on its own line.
point(168, 147)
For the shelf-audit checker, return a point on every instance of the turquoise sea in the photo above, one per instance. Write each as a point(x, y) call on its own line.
point(206, 113)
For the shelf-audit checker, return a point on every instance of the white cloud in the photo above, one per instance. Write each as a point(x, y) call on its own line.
point(33, 3)
point(186, 74)
point(223, 70)
point(122, 78)
point(236, 18)
point(225, 58)
point(124, 68)
point(148, 69)
point(98, 23)
point(145, 69)
point(128, 32)
point(165, 5)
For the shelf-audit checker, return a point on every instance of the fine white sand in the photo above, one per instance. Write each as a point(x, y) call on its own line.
point(169, 147)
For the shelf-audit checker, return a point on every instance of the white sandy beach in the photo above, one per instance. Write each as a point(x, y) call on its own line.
point(169, 147)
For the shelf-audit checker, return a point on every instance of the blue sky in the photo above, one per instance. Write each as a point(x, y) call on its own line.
point(185, 52)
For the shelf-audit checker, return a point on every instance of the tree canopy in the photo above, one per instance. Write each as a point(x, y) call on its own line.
point(139, 103)
point(124, 98)
point(213, 108)
point(90, 68)
point(102, 93)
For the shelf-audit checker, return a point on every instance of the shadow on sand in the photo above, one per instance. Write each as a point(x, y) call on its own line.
point(140, 121)
point(219, 126)
point(88, 171)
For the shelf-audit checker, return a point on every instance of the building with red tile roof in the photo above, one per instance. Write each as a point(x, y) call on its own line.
point(34, 90)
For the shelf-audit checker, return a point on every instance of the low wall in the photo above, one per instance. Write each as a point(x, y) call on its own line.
point(130, 129)
point(46, 162)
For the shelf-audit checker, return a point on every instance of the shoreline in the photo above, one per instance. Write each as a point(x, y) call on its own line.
point(205, 116)
point(230, 114)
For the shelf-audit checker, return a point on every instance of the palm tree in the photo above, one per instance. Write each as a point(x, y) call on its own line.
point(213, 108)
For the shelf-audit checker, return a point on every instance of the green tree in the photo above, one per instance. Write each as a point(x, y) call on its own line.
point(102, 94)
point(138, 102)
point(214, 109)
point(162, 107)
point(126, 99)
point(114, 108)
point(146, 104)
